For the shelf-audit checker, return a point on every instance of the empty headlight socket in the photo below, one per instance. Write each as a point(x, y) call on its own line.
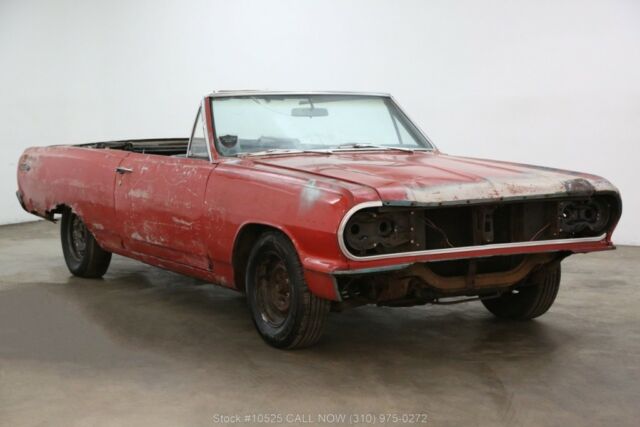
point(378, 231)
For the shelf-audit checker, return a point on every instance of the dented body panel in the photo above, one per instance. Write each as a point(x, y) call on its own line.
point(198, 217)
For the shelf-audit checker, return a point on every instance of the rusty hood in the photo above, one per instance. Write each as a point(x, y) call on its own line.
point(435, 178)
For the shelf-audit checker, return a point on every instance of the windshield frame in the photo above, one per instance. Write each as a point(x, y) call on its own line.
point(419, 135)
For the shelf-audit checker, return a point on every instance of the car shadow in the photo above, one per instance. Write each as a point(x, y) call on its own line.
point(165, 322)
point(152, 308)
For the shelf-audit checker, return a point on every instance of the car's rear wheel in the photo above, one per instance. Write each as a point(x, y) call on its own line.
point(83, 255)
point(529, 300)
point(284, 311)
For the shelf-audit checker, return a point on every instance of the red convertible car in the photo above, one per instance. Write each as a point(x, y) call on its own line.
point(317, 202)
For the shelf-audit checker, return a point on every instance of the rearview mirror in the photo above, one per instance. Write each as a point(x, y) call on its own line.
point(309, 112)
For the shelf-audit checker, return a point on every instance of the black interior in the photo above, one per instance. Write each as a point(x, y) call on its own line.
point(164, 147)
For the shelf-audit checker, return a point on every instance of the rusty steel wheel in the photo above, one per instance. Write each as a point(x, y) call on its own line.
point(284, 312)
point(273, 289)
point(78, 243)
point(83, 255)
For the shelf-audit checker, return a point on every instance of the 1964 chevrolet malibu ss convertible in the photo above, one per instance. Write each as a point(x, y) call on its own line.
point(317, 202)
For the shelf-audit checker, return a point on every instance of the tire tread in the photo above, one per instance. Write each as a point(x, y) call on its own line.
point(314, 311)
point(535, 299)
point(96, 260)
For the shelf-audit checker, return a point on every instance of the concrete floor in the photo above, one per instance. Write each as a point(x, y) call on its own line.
point(149, 347)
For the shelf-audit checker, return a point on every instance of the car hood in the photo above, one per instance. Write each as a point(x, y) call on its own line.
point(435, 178)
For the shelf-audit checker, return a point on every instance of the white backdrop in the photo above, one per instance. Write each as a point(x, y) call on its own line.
point(545, 82)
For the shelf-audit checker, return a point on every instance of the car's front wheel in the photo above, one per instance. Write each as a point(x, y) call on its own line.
point(529, 300)
point(285, 312)
point(83, 255)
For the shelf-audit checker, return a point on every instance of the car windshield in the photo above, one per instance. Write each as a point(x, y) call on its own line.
point(273, 123)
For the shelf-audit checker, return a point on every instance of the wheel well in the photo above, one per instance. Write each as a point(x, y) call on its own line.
point(247, 237)
point(60, 208)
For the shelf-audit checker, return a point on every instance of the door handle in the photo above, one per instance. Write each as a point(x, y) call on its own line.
point(122, 170)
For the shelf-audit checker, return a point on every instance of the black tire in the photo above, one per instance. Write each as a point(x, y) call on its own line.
point(532, 299)
point(284, 311)
point(83, 255)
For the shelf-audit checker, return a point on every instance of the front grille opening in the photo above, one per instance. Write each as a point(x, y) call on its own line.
point(390, 230)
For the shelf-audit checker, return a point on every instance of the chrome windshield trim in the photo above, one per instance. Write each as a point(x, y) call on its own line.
point(461, 249)
point(228, 93)
point(200, 113)
point(414, 123)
